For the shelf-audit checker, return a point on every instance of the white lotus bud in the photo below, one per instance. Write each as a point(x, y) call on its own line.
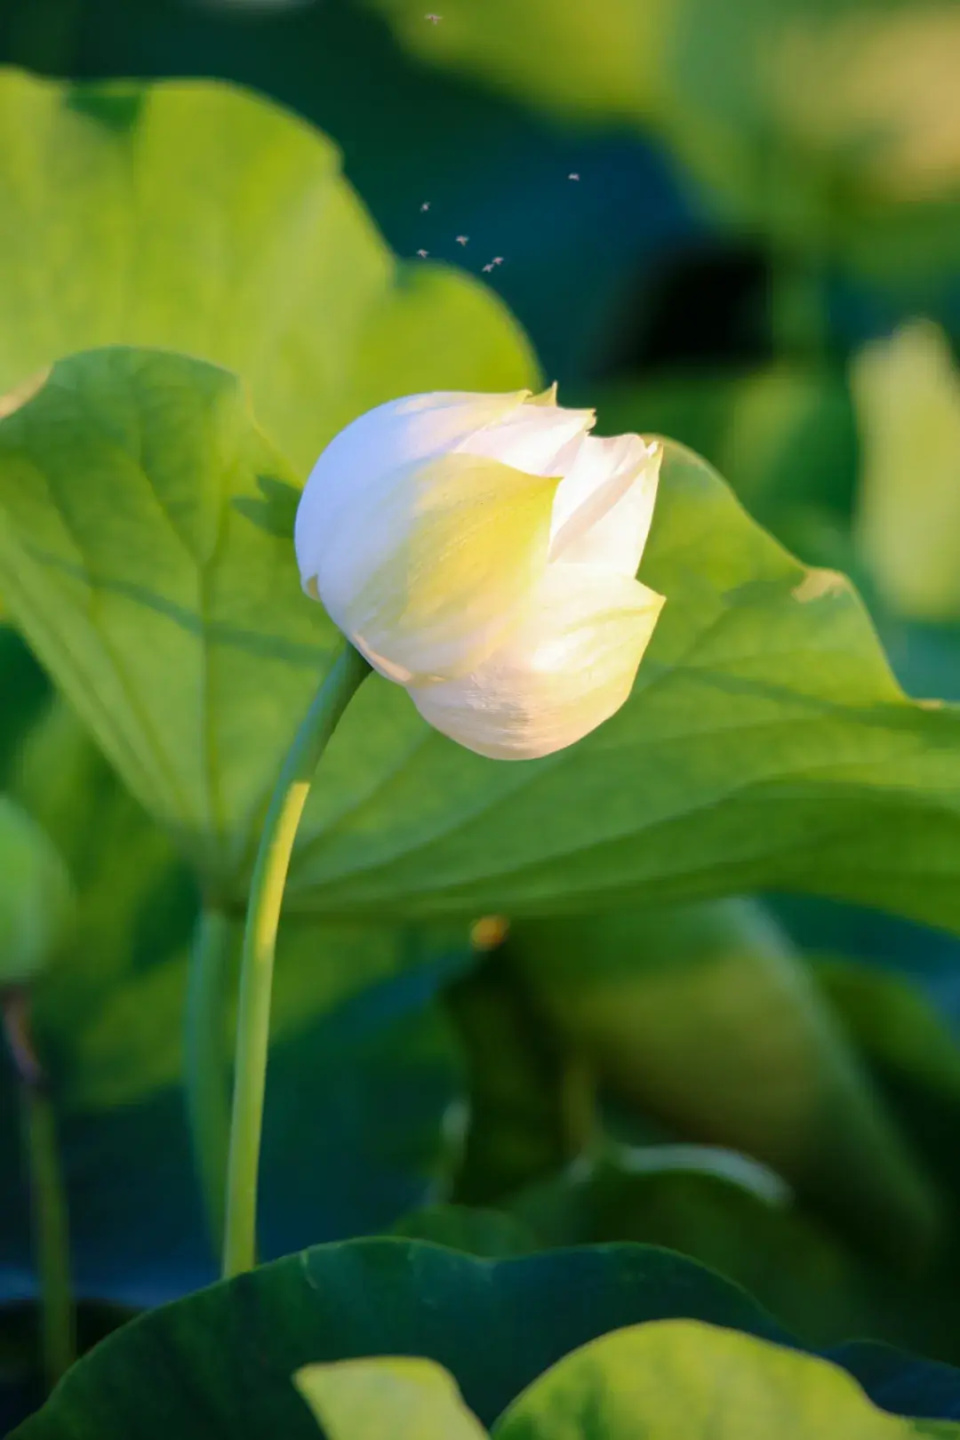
point(481, 550)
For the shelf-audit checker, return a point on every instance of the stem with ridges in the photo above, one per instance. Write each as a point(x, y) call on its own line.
point(259, 946)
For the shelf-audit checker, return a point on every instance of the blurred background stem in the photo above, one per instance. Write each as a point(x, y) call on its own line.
point(48, 1204)
point(532, 1097)
point(259, 947)
point(205, 1061)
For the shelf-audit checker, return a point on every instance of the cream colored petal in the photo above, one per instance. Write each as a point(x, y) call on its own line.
point(439, 572)
point(565, 670)
point(604, 506)
point(539, 437)
point(397, 434)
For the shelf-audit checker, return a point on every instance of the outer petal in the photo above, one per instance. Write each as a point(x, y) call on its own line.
point(441, 568)
point(569, 667)
point(400, 433)
point(604, 507)
point(539, 437)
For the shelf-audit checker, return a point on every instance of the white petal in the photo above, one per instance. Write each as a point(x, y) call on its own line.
point(541, 438)
point(604, 505)
point(390, 437)
point(565, 670)
point(440, 570)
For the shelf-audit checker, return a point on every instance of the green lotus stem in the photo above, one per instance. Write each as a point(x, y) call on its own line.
point(50, 1233)
point(205, 1061)
point(48, 1203)
point(259, 946)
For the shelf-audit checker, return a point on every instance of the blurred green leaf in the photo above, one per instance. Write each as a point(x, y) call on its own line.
point(715, 1207)
point(362, 1076)
point(26, 691)
point(403, 1397)
point(706, 1019)
point(765, 743)
point(494, 1325)
point(830, 129)
point(783, 436)
point(36, 897)
point(530, 1107)
point(193, 216)
point(597, 61)
point(491, 1234)
point(681, 1378)
point(863, 165)
point(893, 1023)
point(907, 391)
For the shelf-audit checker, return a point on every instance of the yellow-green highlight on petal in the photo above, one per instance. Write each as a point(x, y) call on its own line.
point(473, 537)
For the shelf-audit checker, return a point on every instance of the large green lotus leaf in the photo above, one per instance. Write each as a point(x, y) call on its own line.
point(222, 1360)
point(494, 1325)
point(658, 1382)
point(168, 604)
point(765, 743)
point(706, 1018)
point(197, 217)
